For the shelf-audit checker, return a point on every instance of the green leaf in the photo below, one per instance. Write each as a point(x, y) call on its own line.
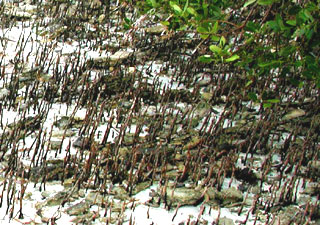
point(202, 30)
point(215, 49)
point(192, 11)
point(313, 68)
point(215, 28)
point(184, 27)
point(175, 7)
point(204, 36)
point(267, 105)
point(308, 15)
point(298, 63)
point(273, 101)
point(291, 22)
point(311, 6)
point(205, 9)
point(249, 40)
point(249, 2)
point(309, 33)
point(307, 74)
point(280, 22)
point(299, 32)
point(294, 81)
point(305, 15)
point(287, 51)
point(165, 23)
point(215, 38)
point(153, 3)
point(127, 20)
point(222, 41)
point(266, 2)
point(253, 96)
point(269, 64)
point(273, 25)
point(185, 7)
point(232, 58)
point(205, 59)
point(251, 26)
point(127, 23)
point(126, 26)
point(310, 59)
point(249, 83)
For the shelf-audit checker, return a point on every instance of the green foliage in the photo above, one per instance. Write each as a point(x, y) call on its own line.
point(257, 37)
point(127, 23)
point(184, 14)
